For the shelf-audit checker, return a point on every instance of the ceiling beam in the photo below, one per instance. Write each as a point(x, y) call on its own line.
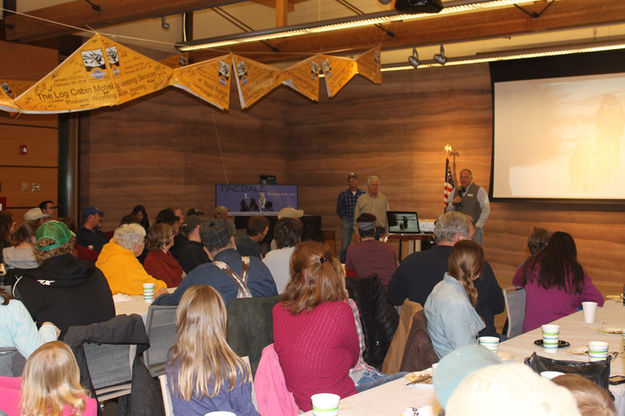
point(112, 12)
point(565, 14)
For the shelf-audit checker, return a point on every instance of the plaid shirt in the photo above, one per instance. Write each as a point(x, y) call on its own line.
point(346, 202)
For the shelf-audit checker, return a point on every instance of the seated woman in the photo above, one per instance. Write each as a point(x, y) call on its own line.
point(50, 386)
point(118, 261)
point(204, 374)
point(64, 289)
point(313, 327)
point(17, 329)
point(20, 255)
point(555, 283)
point(141, 214)
point(159, 262)
point(452, 321)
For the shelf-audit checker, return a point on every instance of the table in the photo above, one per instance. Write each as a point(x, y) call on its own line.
point(414, 242)
point(389, 399)
point(135, 304)
point(578, 333)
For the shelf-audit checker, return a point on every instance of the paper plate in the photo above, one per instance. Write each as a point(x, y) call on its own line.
point(611, 331)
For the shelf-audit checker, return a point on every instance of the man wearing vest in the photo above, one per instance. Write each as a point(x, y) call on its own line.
point(232, 275)
point(472, 200)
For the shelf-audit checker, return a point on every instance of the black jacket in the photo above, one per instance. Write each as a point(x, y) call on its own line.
point(145, 398)
point(189, 254)
point(66, 291)
point(378, 317)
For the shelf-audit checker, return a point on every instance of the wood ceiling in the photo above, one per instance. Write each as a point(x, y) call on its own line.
point(466, 27)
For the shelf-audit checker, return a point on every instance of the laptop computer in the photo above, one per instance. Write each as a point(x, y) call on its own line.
point(403, 222)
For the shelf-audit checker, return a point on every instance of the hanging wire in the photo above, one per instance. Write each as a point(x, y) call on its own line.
point(221, 153)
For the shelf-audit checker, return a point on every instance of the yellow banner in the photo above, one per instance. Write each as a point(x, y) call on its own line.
point(369, 65)
point(254, 79)
point(337, 72)
point(6, 103)
point(100, 73)
point(208, 80)
point(176, 61)
point(303, 77)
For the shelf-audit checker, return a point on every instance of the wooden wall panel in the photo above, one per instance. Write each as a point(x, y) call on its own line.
point(170, 149)
point(42, 145)
point(13, 177)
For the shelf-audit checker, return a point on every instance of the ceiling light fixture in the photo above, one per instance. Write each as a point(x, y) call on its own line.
point(440, 57)
point(518, 54)
point(414, 58)
point(350, 22)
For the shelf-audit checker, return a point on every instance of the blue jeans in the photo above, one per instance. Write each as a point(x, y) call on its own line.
point(375, 378)
point(347, 230)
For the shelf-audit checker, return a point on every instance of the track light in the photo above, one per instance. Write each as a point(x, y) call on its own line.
point(414, 58)
point(440, 57)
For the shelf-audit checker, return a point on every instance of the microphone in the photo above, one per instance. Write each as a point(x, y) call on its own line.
point(460, 192)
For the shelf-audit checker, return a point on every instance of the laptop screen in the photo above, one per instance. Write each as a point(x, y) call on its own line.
point(403, 222)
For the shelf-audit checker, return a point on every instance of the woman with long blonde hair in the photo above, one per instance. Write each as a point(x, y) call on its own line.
point(452, 321)
point(204, 374)
point(50, 386)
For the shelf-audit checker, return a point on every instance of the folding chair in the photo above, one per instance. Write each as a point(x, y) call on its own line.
point(110, 367)
point(161, 330)
point(11, 362)
point(515, 309)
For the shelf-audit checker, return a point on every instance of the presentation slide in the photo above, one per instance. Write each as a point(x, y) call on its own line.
point(255, 199)
point(560, 138)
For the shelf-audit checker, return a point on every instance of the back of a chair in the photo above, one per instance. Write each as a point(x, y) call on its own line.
point(515, 309)
point(110, 367)
point(161, 329)
point(11, 362)
point(169, 408)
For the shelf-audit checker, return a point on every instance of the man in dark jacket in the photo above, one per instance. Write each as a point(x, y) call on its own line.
point(64, 290)
point(417, 275)
point(189, 251)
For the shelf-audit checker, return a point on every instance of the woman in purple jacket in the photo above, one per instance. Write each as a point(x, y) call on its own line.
point(555, 283)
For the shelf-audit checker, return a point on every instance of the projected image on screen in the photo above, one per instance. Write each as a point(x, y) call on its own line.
point(560, 138)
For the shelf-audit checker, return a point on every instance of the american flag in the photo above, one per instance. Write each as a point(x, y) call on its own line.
point(449, 182)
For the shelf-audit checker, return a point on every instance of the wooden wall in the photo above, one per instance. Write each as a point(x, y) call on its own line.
point(21, 173)
point(163, 151)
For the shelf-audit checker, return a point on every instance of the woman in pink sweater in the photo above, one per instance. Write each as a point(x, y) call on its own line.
point(313, 327)
point(555, 283)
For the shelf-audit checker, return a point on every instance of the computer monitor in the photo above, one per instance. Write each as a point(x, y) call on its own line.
point(403, 222)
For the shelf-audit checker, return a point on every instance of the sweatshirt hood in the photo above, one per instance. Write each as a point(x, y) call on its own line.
point(62, 271)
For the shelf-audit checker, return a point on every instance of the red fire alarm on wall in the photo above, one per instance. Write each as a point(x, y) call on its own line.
point(23, 149)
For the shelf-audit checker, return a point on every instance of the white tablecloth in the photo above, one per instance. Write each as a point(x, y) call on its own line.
point(135, 304)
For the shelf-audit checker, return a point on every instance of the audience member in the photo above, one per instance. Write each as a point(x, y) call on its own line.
point(194, 211)
point(69, 222)
point(249, 245)
point(168, 216)
point(159, 262)
point(230, 274)
point(373, 202)
point(370, 256)
point(50, 386)
point(417, 275)
point(129, 219)
point(452, 321)
point(47, 207)
point(35, 214)
point(592, 400)
point(7, 227)
point(189, 252)
point(118, 261)
point(345, 204)
point(221, 212)
point(64, 289)
point(20, 255)
point(537, 240)
point(17, 329)
point(90, 236)
point(555, 283)
point(287, 232)
point(204, 373)
point(313, 327)
point(142, 215)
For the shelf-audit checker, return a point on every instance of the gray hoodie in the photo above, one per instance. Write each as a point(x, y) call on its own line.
point(19, 258)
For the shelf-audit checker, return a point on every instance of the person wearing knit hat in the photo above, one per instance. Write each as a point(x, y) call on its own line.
point(370, 256)
point(229, 273)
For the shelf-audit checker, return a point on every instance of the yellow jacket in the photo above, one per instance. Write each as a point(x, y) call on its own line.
point(123, 271)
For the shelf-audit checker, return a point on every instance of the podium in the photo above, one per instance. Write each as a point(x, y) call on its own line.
point(411, 242)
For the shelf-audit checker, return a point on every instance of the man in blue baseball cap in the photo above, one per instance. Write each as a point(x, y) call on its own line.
point(90, 236)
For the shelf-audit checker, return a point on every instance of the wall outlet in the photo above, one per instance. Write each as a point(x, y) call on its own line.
point(25, 187)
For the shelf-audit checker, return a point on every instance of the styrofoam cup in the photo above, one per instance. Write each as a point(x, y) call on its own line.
point(551, 337)
point(148, 292)
point(491, 343)
point(325, 404)
point(589, 311)
point(598, 350)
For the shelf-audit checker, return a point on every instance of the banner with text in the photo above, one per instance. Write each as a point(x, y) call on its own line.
point(303, 77)
point(207, 80)
point(255, 199)
point(369, 65)
point(337, 72)
point(254, 79)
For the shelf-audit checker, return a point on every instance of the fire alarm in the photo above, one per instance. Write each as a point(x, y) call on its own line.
point(23, 149)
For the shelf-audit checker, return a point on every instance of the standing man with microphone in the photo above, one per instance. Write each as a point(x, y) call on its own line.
point(471, 200)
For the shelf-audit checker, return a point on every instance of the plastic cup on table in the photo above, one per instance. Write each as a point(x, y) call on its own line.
point(589, 311)
point(148, 292)
point(325, 404)
point(551, 337)
point(598, 350)
point(491, 343)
